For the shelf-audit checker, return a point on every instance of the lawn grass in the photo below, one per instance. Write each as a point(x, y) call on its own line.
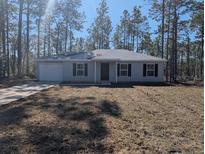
point(136, 119)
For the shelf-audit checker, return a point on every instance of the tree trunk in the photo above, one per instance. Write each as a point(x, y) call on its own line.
point(202, 53)
point(137, 40)
point(19, 37)
point(27, 37)
point(7, 38)
point(57, 43)
point(14, 67)
point(38, 48)
point(133, 42)
point(49, 38)
point(70, 38)
point(195, 64)
point(175, 57)
point(1, 21)
point(167, 52)
point(158, 47)
point(44, 41)
point(163, 28)
point(196, 59)
point(3, 40)
point(188, 56)
point(66, 37)
point(181, 69)
point(172, 54)
point(101, 41)
point(175, 41)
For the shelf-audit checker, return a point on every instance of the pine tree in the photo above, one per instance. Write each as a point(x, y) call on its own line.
point(27, 36)
point(20, 37)
point(139, 25)
point(146, 45)
point(38, 12)
point(117, 38)
point(101, 28)
point(131, 30)
point(197, 24)
point(73, 20)
point(124, 23)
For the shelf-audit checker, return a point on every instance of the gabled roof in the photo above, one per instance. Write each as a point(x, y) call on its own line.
point(123, 55)
point(105, 54)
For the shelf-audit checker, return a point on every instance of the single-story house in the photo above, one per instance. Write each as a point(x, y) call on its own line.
point(104, 65)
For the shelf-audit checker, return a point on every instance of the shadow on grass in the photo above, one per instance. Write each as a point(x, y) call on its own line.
point(81, 129)
point(12, 116)
point(135, 84)
point(119, 85)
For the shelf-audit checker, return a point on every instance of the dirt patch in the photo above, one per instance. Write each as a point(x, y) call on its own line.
point(189, 83)
point(138, 119)
point(5, 83)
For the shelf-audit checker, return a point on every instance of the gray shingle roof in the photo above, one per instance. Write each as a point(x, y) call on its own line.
point(107, 54)
point(123, 55)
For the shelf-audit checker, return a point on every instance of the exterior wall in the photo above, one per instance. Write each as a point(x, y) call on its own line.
point(68, 72)
point(136, 72)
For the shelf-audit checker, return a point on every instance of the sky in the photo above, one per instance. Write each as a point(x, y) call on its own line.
point(116, 8)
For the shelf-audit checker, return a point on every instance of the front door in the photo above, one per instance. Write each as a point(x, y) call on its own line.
point(105, 71)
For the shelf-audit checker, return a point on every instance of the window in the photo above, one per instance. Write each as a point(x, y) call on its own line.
point(123, 69)
point(80, 69)
point(150, 70)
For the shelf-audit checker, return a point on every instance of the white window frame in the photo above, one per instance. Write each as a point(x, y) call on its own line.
point(148, 69)
point(121, 69)
point(80, 69)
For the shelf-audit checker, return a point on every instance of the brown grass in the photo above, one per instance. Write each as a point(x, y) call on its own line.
point(139, 119)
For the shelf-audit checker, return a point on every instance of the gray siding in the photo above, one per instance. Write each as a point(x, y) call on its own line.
point(136, 72)
point(68, 72)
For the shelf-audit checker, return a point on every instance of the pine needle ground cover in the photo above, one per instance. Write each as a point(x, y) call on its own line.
point(133, 119)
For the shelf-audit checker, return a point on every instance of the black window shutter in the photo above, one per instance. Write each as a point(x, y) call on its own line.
point(144, 69)
point(86, 69)
point(156, 70)
point(118, 69)
point(74, 69)
point(129, 69)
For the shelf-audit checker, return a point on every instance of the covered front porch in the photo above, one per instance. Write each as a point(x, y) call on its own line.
point(106, 71)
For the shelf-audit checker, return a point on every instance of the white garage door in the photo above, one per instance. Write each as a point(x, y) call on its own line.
point(50, 71)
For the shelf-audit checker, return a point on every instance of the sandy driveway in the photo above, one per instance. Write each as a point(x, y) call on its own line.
point(14, 93)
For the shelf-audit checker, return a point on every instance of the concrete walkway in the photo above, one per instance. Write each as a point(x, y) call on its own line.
point(14, 93)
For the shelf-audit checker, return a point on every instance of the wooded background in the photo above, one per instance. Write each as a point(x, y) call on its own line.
point(29, 31)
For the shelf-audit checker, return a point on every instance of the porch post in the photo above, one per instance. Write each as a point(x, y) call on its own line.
point(95, 72)
point(116, 73)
